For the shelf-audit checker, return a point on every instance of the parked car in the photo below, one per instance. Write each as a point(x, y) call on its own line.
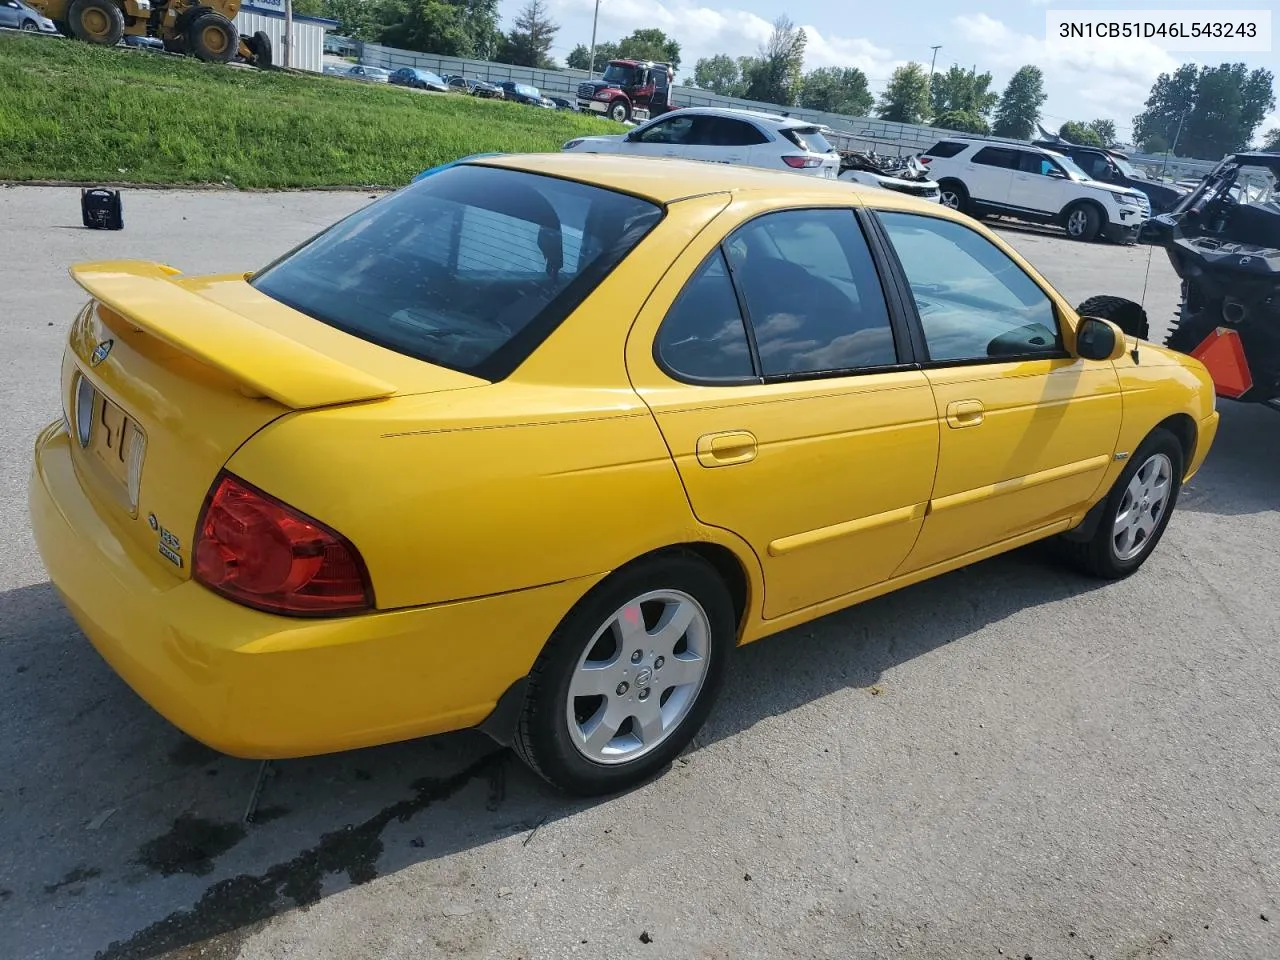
point(1007, 178)
point(1112, 166)
point(368, 74)
point(564, 103)
point(19, 16)
point(523, 93)
point(722, 135)
point(146, 43)
point(906, 175)
point(474, 87)
point(278, 506)
point(419, 79)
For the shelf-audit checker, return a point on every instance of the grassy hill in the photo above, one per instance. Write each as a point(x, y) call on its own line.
point(72, 111)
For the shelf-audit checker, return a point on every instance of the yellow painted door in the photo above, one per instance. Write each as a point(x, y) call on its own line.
point(772, 369)
point(1026, 431)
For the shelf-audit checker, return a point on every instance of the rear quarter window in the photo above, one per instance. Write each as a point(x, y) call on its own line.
point(944, 149)
point(470, 268)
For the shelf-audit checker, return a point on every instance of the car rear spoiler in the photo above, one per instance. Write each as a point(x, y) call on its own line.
point(266, 362)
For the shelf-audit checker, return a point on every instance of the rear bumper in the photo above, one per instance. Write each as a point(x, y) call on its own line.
point(261, 686)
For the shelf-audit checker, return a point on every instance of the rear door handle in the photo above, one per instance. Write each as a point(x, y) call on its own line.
point(726, 449)
point(965, 413)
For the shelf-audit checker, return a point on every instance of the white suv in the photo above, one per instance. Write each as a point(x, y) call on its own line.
point(716, 135)
point(1011, 179)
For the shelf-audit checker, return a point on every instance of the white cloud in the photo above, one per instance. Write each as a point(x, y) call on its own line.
point(1115, 81)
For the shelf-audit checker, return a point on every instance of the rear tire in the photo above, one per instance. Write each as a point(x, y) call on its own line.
point(1082, 222)
point(1125, 314)
point(260, 45)
point(96, 21)
point(953, 195)
point(592, 736)
point(1136, 511)
point(213, 38)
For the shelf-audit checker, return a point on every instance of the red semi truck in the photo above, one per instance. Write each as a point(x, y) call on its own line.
point(629, 90)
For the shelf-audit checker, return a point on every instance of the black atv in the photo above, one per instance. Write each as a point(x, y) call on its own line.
point(1223, 240)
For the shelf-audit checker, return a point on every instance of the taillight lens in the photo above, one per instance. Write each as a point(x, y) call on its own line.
point(802, 163)
point(255, 550)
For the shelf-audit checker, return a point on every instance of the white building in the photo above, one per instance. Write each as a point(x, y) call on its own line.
point(308, 33)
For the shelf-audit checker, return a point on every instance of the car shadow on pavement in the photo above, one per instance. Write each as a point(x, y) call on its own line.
point(125, 839)
point(1241, 475)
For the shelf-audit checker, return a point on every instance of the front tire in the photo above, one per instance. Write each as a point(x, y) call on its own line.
point(619, 111)
point(30, 26)
point(96, 21)
point(1083, 222)
point(1136, 511)
point(628, 677)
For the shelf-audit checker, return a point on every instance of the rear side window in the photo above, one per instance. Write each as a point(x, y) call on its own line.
point(997, 157)
point(470, 268)
point(702, 338)
point(812, 293)
point(944, 149)
point(725, 132)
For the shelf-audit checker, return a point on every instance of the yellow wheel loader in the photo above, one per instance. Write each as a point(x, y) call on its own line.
point(199, 28)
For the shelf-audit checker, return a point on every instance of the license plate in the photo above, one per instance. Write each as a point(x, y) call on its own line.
point(112, 438)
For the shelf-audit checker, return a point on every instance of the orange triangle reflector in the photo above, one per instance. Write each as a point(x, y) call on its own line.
point(1222, 353)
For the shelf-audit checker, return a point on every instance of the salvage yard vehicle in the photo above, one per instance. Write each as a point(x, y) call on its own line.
point(904, 174)
point(985, 176)
point(724, 135)
point(1112, 166)
point(533, 443)
point(1224, 243)
point(629, 90)
point(201, 28)
point(18, 16)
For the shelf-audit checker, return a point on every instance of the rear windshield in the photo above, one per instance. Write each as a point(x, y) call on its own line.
point(944, 148)
point(807, 138)
point(470, 268)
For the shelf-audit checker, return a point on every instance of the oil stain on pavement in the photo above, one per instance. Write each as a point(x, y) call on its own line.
point(231, 910)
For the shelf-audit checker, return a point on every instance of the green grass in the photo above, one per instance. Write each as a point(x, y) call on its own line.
point(72, 111)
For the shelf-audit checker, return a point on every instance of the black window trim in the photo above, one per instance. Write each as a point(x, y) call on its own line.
point(900, 325)
point(925, 362)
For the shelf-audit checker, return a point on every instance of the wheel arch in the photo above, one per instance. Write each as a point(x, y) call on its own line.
point(1184, 428)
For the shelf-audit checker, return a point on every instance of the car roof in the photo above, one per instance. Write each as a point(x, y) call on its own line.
point(668, 179)
point(760, 116)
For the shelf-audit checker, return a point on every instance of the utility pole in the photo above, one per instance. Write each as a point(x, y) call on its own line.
point(591, 65)
point(935, 50)
point(288, 33)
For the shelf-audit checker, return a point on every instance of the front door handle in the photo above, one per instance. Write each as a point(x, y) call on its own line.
point(726, 449)
point(965, 413)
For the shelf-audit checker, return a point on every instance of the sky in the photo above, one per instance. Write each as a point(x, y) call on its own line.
point(1084, 81)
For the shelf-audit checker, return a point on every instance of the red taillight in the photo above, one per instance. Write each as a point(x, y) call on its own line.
point(255, 550)
point(925, 160)
point(802, 163)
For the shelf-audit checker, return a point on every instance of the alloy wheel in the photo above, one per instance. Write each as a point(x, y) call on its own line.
point(1141, 508)
point(638, 677)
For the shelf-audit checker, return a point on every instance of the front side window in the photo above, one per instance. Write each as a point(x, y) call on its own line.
point(678, 129)
point(974, 302)
point(812, 293)
point(1038, 164)
point(469, 268)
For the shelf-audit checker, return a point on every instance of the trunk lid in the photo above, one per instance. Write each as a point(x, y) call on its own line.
point(165, 377)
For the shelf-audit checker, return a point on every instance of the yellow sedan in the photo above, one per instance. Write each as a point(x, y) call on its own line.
point(534, 443)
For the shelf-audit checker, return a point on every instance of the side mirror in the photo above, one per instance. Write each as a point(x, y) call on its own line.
point(1057, 174)
point(1098, 339)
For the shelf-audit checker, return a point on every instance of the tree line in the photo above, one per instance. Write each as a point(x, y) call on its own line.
point(1197, 111)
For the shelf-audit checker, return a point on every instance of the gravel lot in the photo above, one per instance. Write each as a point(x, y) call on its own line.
point(1009, 761)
